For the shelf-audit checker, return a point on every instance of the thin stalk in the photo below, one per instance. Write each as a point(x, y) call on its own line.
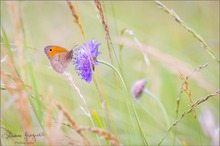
point(193, 106)
point(130, 99)
point(107, 107)
point(163, 111)
point(160, 105)
point(187, 28)
point(33, 81)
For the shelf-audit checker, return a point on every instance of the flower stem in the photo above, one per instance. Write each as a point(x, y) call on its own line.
point(130, 99)
point(160, 105)
point(163, 111)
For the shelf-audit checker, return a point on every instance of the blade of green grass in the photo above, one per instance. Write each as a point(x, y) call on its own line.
point(7, 44)
point(10, 127)
point(10, 53)
point(130, 99)
point(96, 116)
point(36, 103)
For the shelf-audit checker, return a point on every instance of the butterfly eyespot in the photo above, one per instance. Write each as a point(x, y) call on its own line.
point(50, 49)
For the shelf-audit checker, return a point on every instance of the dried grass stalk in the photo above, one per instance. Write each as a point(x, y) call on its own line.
point(73, 124)
point(170, 62)
point(101, 132)
point(187, 28)
point(76, 17)
point(14, 85)
point(194, 105)
point(107, 35)
point(19, 36)
point(185, 87)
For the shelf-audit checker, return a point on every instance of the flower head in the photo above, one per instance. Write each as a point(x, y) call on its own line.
point(85, 59)
point(138, 88)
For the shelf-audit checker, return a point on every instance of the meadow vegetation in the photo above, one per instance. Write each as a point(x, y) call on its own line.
point(156, 81)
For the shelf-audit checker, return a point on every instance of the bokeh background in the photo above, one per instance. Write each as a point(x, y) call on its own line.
point(171, 49)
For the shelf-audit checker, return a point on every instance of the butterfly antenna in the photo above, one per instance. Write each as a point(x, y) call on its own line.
point(74, 46)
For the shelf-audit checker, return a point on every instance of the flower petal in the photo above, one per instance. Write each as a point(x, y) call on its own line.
point(83, 61)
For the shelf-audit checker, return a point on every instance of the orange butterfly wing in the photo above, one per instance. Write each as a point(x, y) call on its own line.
point(59, 57)
point(53, 50)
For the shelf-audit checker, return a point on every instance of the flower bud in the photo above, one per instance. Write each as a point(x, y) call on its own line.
point(138, 88)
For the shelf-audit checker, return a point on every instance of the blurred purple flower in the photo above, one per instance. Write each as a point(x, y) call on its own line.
point(138, 88)
point(209, 125)
point(83, 59)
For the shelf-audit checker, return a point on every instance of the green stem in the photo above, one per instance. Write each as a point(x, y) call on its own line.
point(163, 111)
point(130, 98)
point(160, 105)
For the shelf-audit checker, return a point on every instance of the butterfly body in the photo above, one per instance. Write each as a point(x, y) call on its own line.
point(59, 57)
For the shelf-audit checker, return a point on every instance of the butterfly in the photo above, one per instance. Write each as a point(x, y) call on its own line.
point(59, 57)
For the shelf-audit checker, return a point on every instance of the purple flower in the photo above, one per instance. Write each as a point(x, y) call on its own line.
point(85, 59)
point(138, 88)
